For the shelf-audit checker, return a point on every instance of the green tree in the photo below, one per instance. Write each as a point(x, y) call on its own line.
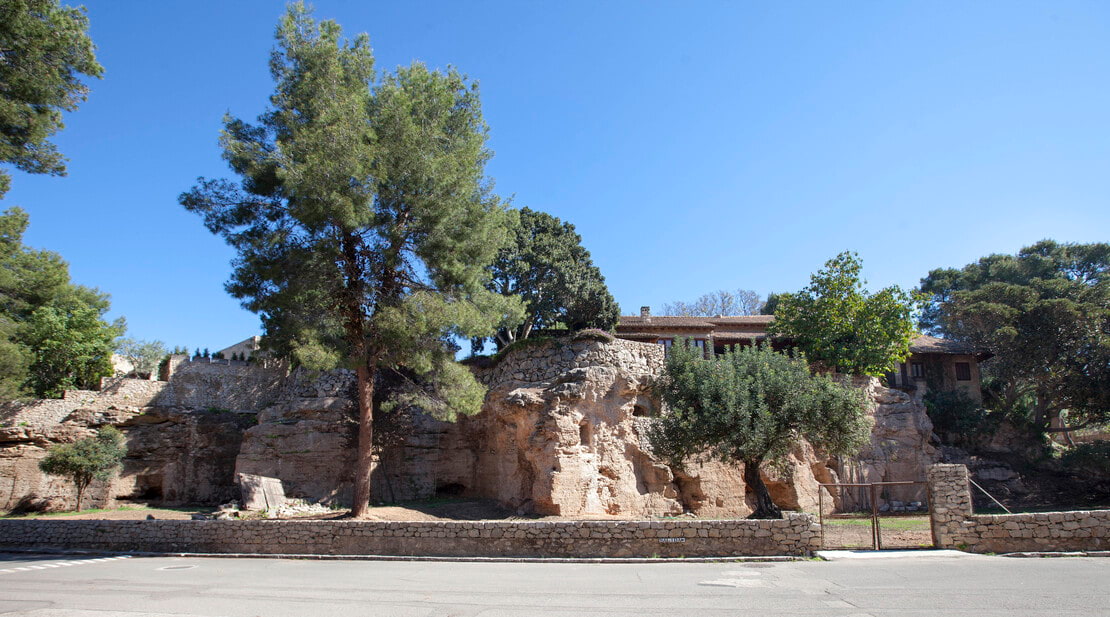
point(838, 324)
point(546, 265)
point(88, 459)
point(771, 304)
point(721, 302)
point(364, 221)
point(752, 405)
point(44, 51)
point(53, 335)
point(1045, 315)
point(144, 356)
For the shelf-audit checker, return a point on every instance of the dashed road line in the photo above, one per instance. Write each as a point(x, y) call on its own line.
point(62, 564)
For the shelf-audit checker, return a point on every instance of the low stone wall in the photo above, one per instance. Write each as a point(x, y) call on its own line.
point(956, 526)
point(798, 534)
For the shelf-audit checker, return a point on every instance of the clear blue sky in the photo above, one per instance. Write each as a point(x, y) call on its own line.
point(695, 145)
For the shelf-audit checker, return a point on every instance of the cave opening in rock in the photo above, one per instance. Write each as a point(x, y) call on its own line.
point(454, 489)
point(584, 433)
point(639, 411)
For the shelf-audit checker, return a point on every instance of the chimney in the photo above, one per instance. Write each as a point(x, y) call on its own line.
point(645, 312)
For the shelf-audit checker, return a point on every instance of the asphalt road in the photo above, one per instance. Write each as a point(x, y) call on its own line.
point(53, 586)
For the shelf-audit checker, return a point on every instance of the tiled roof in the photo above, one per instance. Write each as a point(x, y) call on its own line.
point(932, 344)
point(672, 321)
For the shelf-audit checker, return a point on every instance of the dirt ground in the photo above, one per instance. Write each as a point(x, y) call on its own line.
point(900, 532)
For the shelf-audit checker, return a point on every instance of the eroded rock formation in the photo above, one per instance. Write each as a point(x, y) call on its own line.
point(562, 432)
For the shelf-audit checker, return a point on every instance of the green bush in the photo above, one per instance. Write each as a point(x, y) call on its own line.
point(955, 412)
point(1089, 459)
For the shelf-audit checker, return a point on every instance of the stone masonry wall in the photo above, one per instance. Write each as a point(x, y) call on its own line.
point(45, 414)
point(956, 526)
point(798, 534)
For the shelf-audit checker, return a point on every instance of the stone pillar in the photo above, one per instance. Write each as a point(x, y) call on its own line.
point(949, 503)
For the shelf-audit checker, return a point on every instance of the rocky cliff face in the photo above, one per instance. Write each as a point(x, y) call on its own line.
point(562, 432)
point(183, 437)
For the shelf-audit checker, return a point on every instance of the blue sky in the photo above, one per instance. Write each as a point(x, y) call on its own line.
point(695, 145)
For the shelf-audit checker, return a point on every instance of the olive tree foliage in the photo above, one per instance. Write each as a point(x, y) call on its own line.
point(92, 458)
point(363, 221)
point(546, 265)
point(839, 325)
point(44, 52)
point(722, 302)
point(144, 356)
point(752, 405)
point(1044, 314)
point(53, 335)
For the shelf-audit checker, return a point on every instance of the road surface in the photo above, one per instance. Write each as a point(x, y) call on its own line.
point(56, 586)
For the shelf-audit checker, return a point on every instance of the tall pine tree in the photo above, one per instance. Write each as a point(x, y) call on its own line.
point(364, 221)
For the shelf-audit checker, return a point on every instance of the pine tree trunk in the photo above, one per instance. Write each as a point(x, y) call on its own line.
point(80, 493)
point(364, 460)
point(764, 506)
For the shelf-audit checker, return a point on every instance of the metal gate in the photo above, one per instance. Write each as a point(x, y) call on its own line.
point(865, 507)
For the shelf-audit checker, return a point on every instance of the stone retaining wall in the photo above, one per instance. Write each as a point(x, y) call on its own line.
point(798, 534)
point(956, 526)
point(547, 361)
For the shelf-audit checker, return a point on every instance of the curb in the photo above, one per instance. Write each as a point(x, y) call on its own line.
point(311, 557)
point(1057, 554)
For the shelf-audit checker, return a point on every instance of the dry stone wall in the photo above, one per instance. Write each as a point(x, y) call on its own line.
point(795, 535)
point(956, 526)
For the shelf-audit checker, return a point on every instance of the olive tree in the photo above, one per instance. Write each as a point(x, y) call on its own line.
point(88, 459)
point(752, 405)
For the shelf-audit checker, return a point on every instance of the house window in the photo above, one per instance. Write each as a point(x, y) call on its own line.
point(963, 371)
point(666, 343)
point(917, 370)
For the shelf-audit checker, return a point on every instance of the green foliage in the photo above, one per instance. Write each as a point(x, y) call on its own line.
point(88, 459)
point(363, 221)
point(1045, 315)
point(771, 304)
point(546, 265)
point(144, 356)
point(752, 405)
point(840, 325)
point(1088, 459)
point(44, 50)
point(721, 302)
point(956, 414)
point(52, 333)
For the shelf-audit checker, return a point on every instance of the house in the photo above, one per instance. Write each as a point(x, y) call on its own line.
point(934, 365)
point(939, 365)
point(244, 349)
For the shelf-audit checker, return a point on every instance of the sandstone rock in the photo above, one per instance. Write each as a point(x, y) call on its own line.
point(260, 492)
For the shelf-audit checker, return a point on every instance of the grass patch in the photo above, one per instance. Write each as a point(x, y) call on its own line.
point(893, 523)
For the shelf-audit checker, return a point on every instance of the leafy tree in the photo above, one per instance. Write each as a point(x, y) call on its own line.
point(546, 265)
point(721, 302)
point(143, 355)
point(53, 335)
point(771, 305)
point(72, 347)
point(364, 222)
point(1045, 315)
point(752, 405)
point(840, 325)
point(44, 51)
point(88, 459)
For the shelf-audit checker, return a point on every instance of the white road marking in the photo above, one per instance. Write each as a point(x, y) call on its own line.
point(62, 564)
